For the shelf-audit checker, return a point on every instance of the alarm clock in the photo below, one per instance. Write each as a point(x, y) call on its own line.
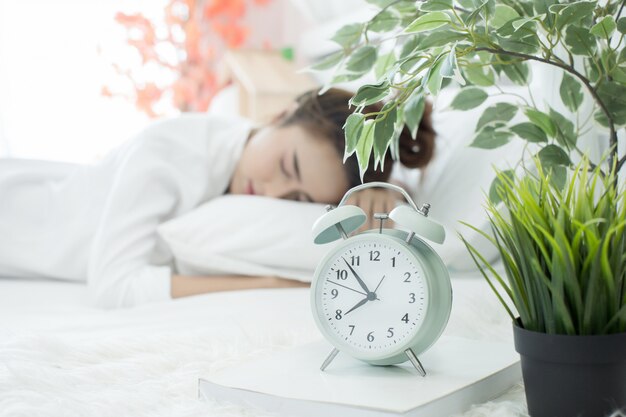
point(384, 295)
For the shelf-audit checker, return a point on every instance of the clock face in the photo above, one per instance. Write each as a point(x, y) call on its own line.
point(372, 296)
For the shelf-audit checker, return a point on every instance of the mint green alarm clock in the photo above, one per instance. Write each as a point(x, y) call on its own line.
point(382, 296)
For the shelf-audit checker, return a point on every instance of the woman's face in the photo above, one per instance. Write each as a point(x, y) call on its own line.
point(289, 162)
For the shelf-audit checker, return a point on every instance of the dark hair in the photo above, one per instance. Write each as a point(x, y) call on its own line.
point(325, 115)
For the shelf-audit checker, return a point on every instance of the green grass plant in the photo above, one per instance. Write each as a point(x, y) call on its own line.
point(563, 251)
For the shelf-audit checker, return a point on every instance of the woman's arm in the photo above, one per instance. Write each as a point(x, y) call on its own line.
point(184, 285)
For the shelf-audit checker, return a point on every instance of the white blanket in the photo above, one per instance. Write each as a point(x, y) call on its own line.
point(59, 357)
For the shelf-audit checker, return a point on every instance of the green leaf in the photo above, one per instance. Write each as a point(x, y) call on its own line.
point(429, 21)
point(383, 133)
point(601, 118)
point(529, 132)
point(613, 95)
point(435, 5)
point(383, 22)
point(413, 112)
point(479, 75)
point(580, 41)
point(409, 46)
point(362, 60)
point(519, 23)
point(565, 134)
point(352, 128)
point(543, 7)
point(542, 120)
point(619, 74)
point(498, 112)
point(571, 92)
point(369, 94)
point(604, 28)
point(380, 3)
point(394, 143)
point(384, 63)
point(621, 25)
point(364, 146)
point(410, 64)
point(440, 38)
point(498, 185)
point(574, 13)
point(348, 35)
point(450, 68)
point(552, 155)
point(517, 72)
point(469, 98)
point(503, 15)
point(433, 77)
point(328, 62)
point(526, 44)
point(490, 138)
point(558, 176)
point(343, 77)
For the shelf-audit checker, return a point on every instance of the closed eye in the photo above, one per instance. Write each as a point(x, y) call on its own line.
point(283, 168)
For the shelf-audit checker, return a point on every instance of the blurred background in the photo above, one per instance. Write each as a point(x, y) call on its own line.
point(78, 77)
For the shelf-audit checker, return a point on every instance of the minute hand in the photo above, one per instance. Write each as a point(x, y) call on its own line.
point(361, 283)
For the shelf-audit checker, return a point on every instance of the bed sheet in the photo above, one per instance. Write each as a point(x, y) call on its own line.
point(59, 356)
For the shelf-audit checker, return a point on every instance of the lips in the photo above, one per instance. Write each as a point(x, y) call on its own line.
point(250, 188)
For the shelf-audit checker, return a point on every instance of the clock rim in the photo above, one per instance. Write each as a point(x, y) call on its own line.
point(396, 355)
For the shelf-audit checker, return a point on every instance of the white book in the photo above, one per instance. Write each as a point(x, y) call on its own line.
point(460, 372)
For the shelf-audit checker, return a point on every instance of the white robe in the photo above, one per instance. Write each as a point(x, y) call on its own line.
point(99, 222)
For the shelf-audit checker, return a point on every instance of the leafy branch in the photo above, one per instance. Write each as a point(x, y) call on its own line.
point(586, 83)
point(457, 42)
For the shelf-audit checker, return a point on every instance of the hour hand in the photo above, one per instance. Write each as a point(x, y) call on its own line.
point(361, 283)
point(359, 304)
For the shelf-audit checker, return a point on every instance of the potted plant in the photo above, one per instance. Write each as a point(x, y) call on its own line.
point(564, 255)
point(568, 251)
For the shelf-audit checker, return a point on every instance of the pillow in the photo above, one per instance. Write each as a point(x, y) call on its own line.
point(248, 235)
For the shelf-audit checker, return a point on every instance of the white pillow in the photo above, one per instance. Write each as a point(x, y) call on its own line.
point(249, 235)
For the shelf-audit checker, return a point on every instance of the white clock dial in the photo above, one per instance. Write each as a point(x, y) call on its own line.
point(372, 296)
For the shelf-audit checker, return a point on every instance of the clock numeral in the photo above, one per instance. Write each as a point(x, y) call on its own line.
point(405, 318)
point(390, 333)
point(370, 337)
point(342, 274)
point(412, 298)
point(374, 255)
point(355, 260)
point(393, 262)
point(352, 326)
point(338, 315)
point(407, 277)
point(334, 293)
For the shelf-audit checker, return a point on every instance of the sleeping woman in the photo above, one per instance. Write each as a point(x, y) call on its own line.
point(99, 222)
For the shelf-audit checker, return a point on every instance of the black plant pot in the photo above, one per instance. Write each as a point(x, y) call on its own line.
point(572, 376)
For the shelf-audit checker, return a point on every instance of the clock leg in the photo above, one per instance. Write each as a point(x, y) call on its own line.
point(416, 362)
point(329, 359)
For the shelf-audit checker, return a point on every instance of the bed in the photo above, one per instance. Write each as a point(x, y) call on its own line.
point(61, 357)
